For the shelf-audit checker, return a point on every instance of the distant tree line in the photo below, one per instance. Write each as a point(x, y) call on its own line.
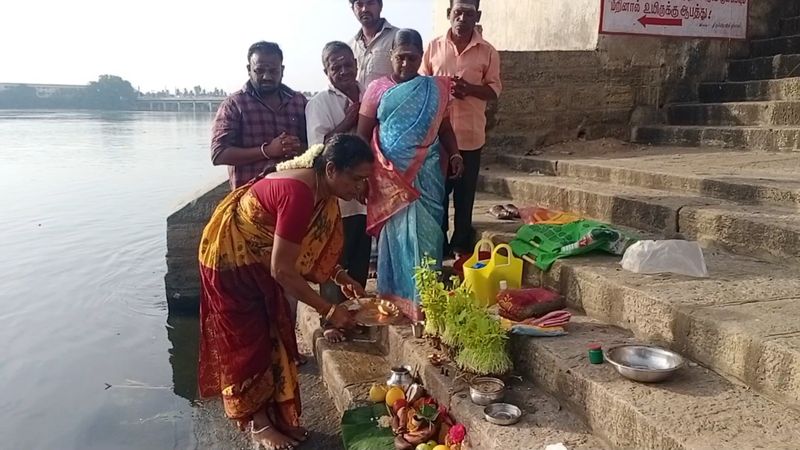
point(109, 92)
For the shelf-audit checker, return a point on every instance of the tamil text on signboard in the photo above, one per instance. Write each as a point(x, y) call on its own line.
point(686, 18)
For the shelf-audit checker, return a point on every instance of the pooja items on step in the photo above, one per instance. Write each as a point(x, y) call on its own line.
point(484, 391)
point(595, 354)
point(400, 377)
point(668, 256)
point(644, 363)
point(521, 304)
point(547, 243)
point(472, 333)
point(415, 419)
point(433, 295)
point(373, 312)
point(537, 215)
point(549, 325)
point(483, 277)
point(532, 312)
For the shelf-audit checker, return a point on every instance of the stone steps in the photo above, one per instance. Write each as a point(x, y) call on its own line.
point(790, 26)
point(764, 68)
point(786, 44)
point(762, 139)
point(696, 410)
point(753, 178)
point(775, 113)
point(784, 89)
point(742, 321)
point(762, 231)
point(350, 368)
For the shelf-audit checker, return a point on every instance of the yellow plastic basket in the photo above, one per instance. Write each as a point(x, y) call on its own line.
point(485, 279)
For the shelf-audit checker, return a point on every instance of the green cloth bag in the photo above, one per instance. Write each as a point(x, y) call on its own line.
point(547, 243)
point(360, 430)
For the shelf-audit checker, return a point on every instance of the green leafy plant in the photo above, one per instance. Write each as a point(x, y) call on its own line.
point(432, 294)
point(469, 329)
point(461, 303)
point(484, 344)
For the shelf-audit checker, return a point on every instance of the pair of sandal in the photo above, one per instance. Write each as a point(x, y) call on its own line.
point(261, 436)
point(505, 212)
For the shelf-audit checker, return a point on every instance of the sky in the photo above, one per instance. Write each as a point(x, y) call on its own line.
point(168, 44)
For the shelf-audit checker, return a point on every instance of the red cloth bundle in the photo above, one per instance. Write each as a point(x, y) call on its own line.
point(521, 304)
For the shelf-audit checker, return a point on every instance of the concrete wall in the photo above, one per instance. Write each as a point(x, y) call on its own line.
point(563, 81)
point(184, 228)
point(534, 25)
point(552, 97)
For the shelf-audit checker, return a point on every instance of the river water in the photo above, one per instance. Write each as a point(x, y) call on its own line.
point(90, 359)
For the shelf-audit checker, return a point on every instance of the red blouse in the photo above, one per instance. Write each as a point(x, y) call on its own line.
point(290, 201)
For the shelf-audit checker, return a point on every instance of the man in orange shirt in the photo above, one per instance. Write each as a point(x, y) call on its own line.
point(474, 64)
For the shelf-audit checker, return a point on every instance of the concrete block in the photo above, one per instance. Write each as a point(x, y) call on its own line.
point(775, 46)
point(767, 232)
point(731, 114)
point(784, 89)
point(349, 368)
point(790, 26)
point(633, 207)
point(184, 239)
point(762, 232)
point(747, 177)
point(200, 208)
point(763, 68)
point(750, 138)
point(184, 230)
point(183, 300)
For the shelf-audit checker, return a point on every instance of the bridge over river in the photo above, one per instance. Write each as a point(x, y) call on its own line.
point(179, 104)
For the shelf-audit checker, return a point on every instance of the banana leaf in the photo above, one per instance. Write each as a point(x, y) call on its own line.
point(360, 430)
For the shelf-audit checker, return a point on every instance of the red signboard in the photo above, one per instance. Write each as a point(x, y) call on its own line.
point(726, 19)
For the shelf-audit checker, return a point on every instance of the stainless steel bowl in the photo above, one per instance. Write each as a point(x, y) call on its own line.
point(485, 391)
point(502, 414)
point(644, 363)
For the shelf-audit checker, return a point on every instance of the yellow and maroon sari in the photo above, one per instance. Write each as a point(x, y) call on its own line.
point(248, 346)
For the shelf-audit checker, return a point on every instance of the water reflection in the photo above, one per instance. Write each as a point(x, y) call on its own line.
point(184, 335)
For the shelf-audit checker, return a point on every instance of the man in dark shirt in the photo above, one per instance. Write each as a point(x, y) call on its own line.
point(261, 125)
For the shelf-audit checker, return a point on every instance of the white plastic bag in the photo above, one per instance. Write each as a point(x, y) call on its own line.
point(681, 257)
point(558, 446)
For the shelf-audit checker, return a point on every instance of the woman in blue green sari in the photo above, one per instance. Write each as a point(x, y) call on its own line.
point(405, 117)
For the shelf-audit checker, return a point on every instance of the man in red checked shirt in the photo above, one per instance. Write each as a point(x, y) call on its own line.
point(261, 125)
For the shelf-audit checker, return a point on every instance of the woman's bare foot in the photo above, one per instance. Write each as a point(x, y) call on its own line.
point(334, 335)
point(299, 434)
point(266, 435)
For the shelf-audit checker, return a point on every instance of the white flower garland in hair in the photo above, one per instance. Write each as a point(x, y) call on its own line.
point(304, 161)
